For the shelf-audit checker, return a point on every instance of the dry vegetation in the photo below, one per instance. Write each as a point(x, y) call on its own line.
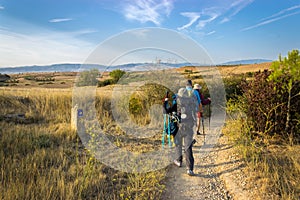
point(273, 168)
point(226, 70)
point(41, 157)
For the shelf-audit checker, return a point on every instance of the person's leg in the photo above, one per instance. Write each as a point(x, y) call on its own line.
point(188, 139)
point(178, 149)
point(198, 123)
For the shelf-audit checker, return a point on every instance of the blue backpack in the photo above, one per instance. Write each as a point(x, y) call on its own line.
point(173, 124)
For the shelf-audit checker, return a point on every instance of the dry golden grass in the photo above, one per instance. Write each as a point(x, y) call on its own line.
point(41, 157)
point(227, 70)
point(239, 69)
point(273, 168)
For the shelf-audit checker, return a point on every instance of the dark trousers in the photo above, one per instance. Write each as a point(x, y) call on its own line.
point(185, 134)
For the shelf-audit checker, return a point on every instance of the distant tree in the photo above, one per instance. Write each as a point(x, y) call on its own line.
point(88, 78)
point(116, 74)
point(105, 82)
point(289, 67)
point(4, 77)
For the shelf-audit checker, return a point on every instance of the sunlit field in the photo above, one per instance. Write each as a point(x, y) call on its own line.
point(42, 156)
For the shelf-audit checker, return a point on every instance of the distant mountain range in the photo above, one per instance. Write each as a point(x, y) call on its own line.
point(66, 67)
point(81, 67)
point(246, 62)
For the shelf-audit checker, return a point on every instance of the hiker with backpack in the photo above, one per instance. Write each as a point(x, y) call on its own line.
point(187, 108)
point(201, 102)
point(169, 109)
point(171, 119)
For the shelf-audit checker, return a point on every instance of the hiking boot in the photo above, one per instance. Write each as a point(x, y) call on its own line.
point(190, 172)
point(177, 163)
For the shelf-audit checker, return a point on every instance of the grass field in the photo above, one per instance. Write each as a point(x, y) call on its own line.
point(42, 157)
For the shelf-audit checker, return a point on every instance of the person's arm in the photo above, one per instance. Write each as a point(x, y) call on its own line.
point(200, 108)
point(166, 106)
point(205, 101)
point(196, 93)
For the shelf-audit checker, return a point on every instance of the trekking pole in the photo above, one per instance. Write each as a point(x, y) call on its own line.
point(209, 116)
point(165, 107)
point(169, 131)
point(164, 132)
point(202, 120)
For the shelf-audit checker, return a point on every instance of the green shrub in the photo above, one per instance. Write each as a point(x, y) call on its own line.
point(233, 86)
point(136, 106)
point(249, 74)
point(188, 71)
point(266, 105)
point(147, 95)
point(106, 82)
point(29, 78)
point(116, 74)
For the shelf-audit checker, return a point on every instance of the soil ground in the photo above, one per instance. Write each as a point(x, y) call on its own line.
point(220, 172)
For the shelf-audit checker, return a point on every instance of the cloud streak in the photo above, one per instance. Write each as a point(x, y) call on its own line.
point(240, 5)
point(201, 18)
point(42, 48)
point(148, 10)
point(57, 20)
point(193, 16)
point(278, 16)
point(211, 14)
point(235, 8)
point(297, 7)
point(1, 7)
point(210, 33)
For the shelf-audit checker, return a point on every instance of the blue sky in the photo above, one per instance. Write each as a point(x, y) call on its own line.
point(42, 32)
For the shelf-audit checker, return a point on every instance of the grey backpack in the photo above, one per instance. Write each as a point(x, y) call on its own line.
point(187, 105)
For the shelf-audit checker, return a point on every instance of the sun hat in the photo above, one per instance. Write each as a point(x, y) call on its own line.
point(197, 86)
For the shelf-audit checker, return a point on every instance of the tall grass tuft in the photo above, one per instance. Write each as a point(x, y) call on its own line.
point(275, 167)
point(41, 157)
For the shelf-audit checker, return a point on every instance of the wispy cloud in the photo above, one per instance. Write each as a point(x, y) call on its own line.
point(82, 32)
point(223, 12)
point(1, 7)
point(210, 15)
point(57, 20)
point(297, 7)
point(275, 17)
point(234, 8)
point(42, 48)
point(224, 20)
point(210, 33)
point(148, 10)
point(193, 16)
point(201, 18)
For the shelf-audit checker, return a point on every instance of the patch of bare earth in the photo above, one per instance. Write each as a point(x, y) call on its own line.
point(221, 174)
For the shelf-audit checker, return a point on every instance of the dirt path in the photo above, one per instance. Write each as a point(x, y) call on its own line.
point(219, 171)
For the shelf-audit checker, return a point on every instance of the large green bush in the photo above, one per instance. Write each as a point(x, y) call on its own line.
point(116, 74)
point(266, 106)
point(233, 86)
point(147, 95)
